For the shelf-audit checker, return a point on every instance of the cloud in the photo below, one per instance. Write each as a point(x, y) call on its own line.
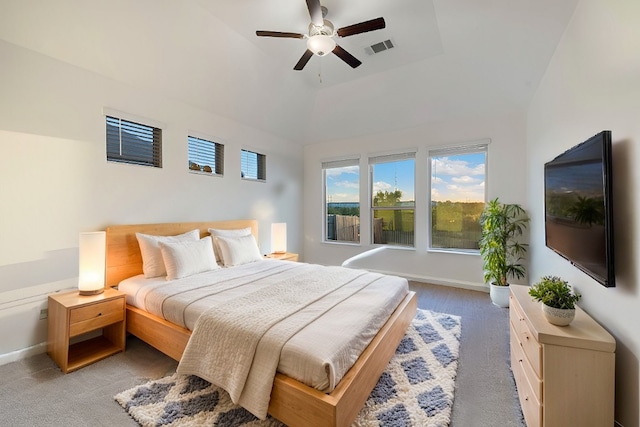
point(448, 167)
point(382, 186)
point(347, 184)
point(342, 197)
point(464, 180)
point(351, 170)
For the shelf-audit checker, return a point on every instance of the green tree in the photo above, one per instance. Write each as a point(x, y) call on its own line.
point(387, 198)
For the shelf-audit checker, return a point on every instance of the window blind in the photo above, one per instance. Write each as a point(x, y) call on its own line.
point(133, 143)
point(253, 165)
point(206, 156)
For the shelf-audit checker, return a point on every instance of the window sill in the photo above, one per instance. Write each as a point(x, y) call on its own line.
point(454, 251)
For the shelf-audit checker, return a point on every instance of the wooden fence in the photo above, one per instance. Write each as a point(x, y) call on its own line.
point(343, 228)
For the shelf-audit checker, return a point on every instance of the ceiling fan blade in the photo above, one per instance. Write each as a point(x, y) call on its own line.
point(303, 61)
point(315, 12)
point(279, 34)
point(362, 27)
point(346, 57)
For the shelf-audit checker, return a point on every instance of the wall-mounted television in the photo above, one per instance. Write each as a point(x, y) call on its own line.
point(578, 207)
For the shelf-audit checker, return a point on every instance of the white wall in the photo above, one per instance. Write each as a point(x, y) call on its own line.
point(505, 176)
point(592, 84)
point(55, 181)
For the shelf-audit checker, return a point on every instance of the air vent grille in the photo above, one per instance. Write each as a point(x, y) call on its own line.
point(379, 47)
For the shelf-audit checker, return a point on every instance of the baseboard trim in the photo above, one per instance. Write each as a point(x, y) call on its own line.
point(23, 353)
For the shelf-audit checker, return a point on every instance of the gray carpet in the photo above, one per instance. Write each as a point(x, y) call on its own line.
point(34, 392)
point(416, 389)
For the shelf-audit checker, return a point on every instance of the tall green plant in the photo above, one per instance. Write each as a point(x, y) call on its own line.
point(501, 251)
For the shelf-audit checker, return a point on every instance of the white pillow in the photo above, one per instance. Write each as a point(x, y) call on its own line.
point(215, 233)
point(152, 262)
point(185, 258)
point(239, 250)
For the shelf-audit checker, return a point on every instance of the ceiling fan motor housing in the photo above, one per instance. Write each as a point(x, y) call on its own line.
point(320, 39)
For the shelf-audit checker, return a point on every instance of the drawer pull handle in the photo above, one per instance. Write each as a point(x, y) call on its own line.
point(99, 314)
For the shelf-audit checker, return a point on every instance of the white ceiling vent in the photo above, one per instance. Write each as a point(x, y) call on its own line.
point(379, 47)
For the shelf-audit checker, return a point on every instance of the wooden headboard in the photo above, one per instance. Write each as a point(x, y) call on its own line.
point(123, 253)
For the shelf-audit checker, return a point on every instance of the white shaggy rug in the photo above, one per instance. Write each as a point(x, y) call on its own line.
point(415, 390)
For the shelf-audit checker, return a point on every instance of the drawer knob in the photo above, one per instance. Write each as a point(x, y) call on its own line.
point(99, 314)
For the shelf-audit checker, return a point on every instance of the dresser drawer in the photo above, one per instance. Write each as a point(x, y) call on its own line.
point(95, 316)
point(519, 362)
point(531, 407)
point(532, 349)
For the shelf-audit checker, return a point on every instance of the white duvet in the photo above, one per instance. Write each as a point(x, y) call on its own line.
point(332, 314)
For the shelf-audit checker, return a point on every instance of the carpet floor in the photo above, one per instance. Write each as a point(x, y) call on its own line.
point(416, 389)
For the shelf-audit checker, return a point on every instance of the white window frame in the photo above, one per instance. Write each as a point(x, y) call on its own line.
point(217, 168)
point(332, 164)
point(408, 154)
point(261, 166)
point(469, 148)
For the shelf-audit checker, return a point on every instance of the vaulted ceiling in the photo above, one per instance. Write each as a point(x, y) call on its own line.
point(451, 58)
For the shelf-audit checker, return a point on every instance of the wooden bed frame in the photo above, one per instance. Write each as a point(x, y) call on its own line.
point(292, 402)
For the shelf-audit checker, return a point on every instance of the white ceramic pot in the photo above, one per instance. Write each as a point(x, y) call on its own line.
point(558, 316)
point(499, 295)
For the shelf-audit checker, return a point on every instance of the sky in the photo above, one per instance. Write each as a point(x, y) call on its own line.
point(458, 178)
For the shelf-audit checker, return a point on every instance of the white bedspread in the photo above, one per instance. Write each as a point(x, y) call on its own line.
point(331, 315)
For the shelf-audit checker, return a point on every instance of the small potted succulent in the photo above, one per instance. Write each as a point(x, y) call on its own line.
point(558, 299)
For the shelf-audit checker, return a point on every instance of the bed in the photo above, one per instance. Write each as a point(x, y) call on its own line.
point(292, 402)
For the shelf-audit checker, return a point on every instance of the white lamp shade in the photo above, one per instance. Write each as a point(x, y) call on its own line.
point(279, 237)
point(321, 44)
point(91, 273)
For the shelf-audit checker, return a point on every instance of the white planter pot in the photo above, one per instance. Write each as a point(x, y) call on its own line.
point(499, 295)
point(558, 316)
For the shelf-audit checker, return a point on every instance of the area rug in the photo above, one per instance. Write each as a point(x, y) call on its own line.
point(416, 389)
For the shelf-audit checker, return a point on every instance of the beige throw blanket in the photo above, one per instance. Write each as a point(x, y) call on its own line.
point(237, 345)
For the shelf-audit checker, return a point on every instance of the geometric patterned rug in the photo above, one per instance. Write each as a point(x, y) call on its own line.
point(415, 390)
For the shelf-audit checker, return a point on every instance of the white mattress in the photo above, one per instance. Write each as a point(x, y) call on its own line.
point(320, 354)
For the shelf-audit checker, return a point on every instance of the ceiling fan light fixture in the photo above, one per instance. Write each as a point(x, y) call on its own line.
point(321, 44)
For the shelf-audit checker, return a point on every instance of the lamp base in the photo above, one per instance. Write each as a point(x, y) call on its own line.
point(91, 292)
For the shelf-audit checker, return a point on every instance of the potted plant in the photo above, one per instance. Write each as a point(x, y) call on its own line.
point(501, 252)
point(557, 298)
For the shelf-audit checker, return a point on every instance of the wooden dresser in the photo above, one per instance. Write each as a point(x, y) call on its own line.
point(564, 374)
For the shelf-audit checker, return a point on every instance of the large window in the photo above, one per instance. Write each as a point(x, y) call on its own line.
point(205, 156)
point(134, 143)
point(393, 199)
point(342, 200)
point(253, 165)
point(457, 182)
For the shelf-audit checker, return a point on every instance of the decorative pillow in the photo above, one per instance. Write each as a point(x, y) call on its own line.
point(239, 250)
point(215, 233)
point(185, 258)
point(152, 262)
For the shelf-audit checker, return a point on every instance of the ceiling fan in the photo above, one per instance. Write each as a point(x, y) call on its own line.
point(321, 37)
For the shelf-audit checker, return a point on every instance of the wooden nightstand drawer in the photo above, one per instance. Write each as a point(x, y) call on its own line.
point(94, 316)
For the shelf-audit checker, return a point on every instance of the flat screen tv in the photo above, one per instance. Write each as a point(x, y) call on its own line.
point(578, 207)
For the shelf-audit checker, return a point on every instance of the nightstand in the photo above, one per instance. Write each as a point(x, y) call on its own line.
point(287, 256)
point(72, 315)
